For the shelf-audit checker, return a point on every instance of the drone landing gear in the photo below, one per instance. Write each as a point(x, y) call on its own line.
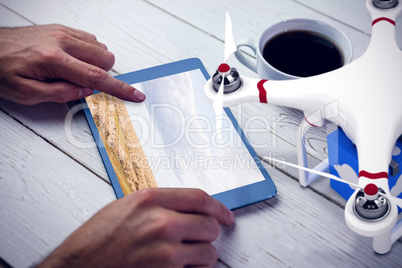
point(361, 214)
point(382, 243)
point(305, 177)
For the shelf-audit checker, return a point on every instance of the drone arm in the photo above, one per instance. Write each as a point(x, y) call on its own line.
point(246, 93)
point(383, 27)
point(306, 94)
point(374, 149)
point(378, 14)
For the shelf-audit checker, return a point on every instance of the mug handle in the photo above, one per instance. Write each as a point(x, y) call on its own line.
point(252, 65)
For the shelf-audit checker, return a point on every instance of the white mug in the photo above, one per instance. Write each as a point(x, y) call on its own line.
point(265, 70)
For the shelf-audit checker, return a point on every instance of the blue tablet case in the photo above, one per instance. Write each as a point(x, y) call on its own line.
point(233, 198)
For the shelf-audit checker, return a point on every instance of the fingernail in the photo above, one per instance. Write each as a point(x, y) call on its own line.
point(104, 46)
point(138, 96)
point(84, 92)
point(231, 217)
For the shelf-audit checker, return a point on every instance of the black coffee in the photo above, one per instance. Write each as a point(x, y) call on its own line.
point(302, 53)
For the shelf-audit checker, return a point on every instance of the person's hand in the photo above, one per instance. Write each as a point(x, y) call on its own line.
point(155, 227)
point(54, 63)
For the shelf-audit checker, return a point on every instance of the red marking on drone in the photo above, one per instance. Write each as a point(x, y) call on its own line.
point(310, 123)
point(263, 92)
point(383, 19)
point(223, 68)
point(369, 175)
point(371, 189)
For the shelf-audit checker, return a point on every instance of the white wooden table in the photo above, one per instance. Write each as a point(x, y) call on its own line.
point(49, 187)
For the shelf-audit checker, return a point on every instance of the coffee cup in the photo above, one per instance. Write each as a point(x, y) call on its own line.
point(297, 48)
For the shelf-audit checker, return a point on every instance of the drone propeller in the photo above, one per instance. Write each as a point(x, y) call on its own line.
point(224, 69)
point(397, 201)
point(230, 45)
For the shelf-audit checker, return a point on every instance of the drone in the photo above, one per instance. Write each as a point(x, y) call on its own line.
point(362, 98)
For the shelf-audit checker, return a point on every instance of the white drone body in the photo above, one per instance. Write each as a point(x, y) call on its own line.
point(363, 98)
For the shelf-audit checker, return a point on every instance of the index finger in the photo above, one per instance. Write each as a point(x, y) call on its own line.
point(192, 200)
point(90, 76)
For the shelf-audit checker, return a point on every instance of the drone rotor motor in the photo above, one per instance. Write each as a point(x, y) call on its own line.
point(385, 4)
point(369, 205)
point(232, 81)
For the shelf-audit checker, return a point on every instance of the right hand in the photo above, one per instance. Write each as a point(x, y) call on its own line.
point(154, 227)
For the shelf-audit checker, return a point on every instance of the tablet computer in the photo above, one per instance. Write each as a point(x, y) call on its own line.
point(170, 140)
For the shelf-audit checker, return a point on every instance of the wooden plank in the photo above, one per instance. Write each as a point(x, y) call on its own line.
point(137, 39)
point(44, 195)
point(50, 121)
point(350, 13)
point(9, 18)
point(250, 19)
